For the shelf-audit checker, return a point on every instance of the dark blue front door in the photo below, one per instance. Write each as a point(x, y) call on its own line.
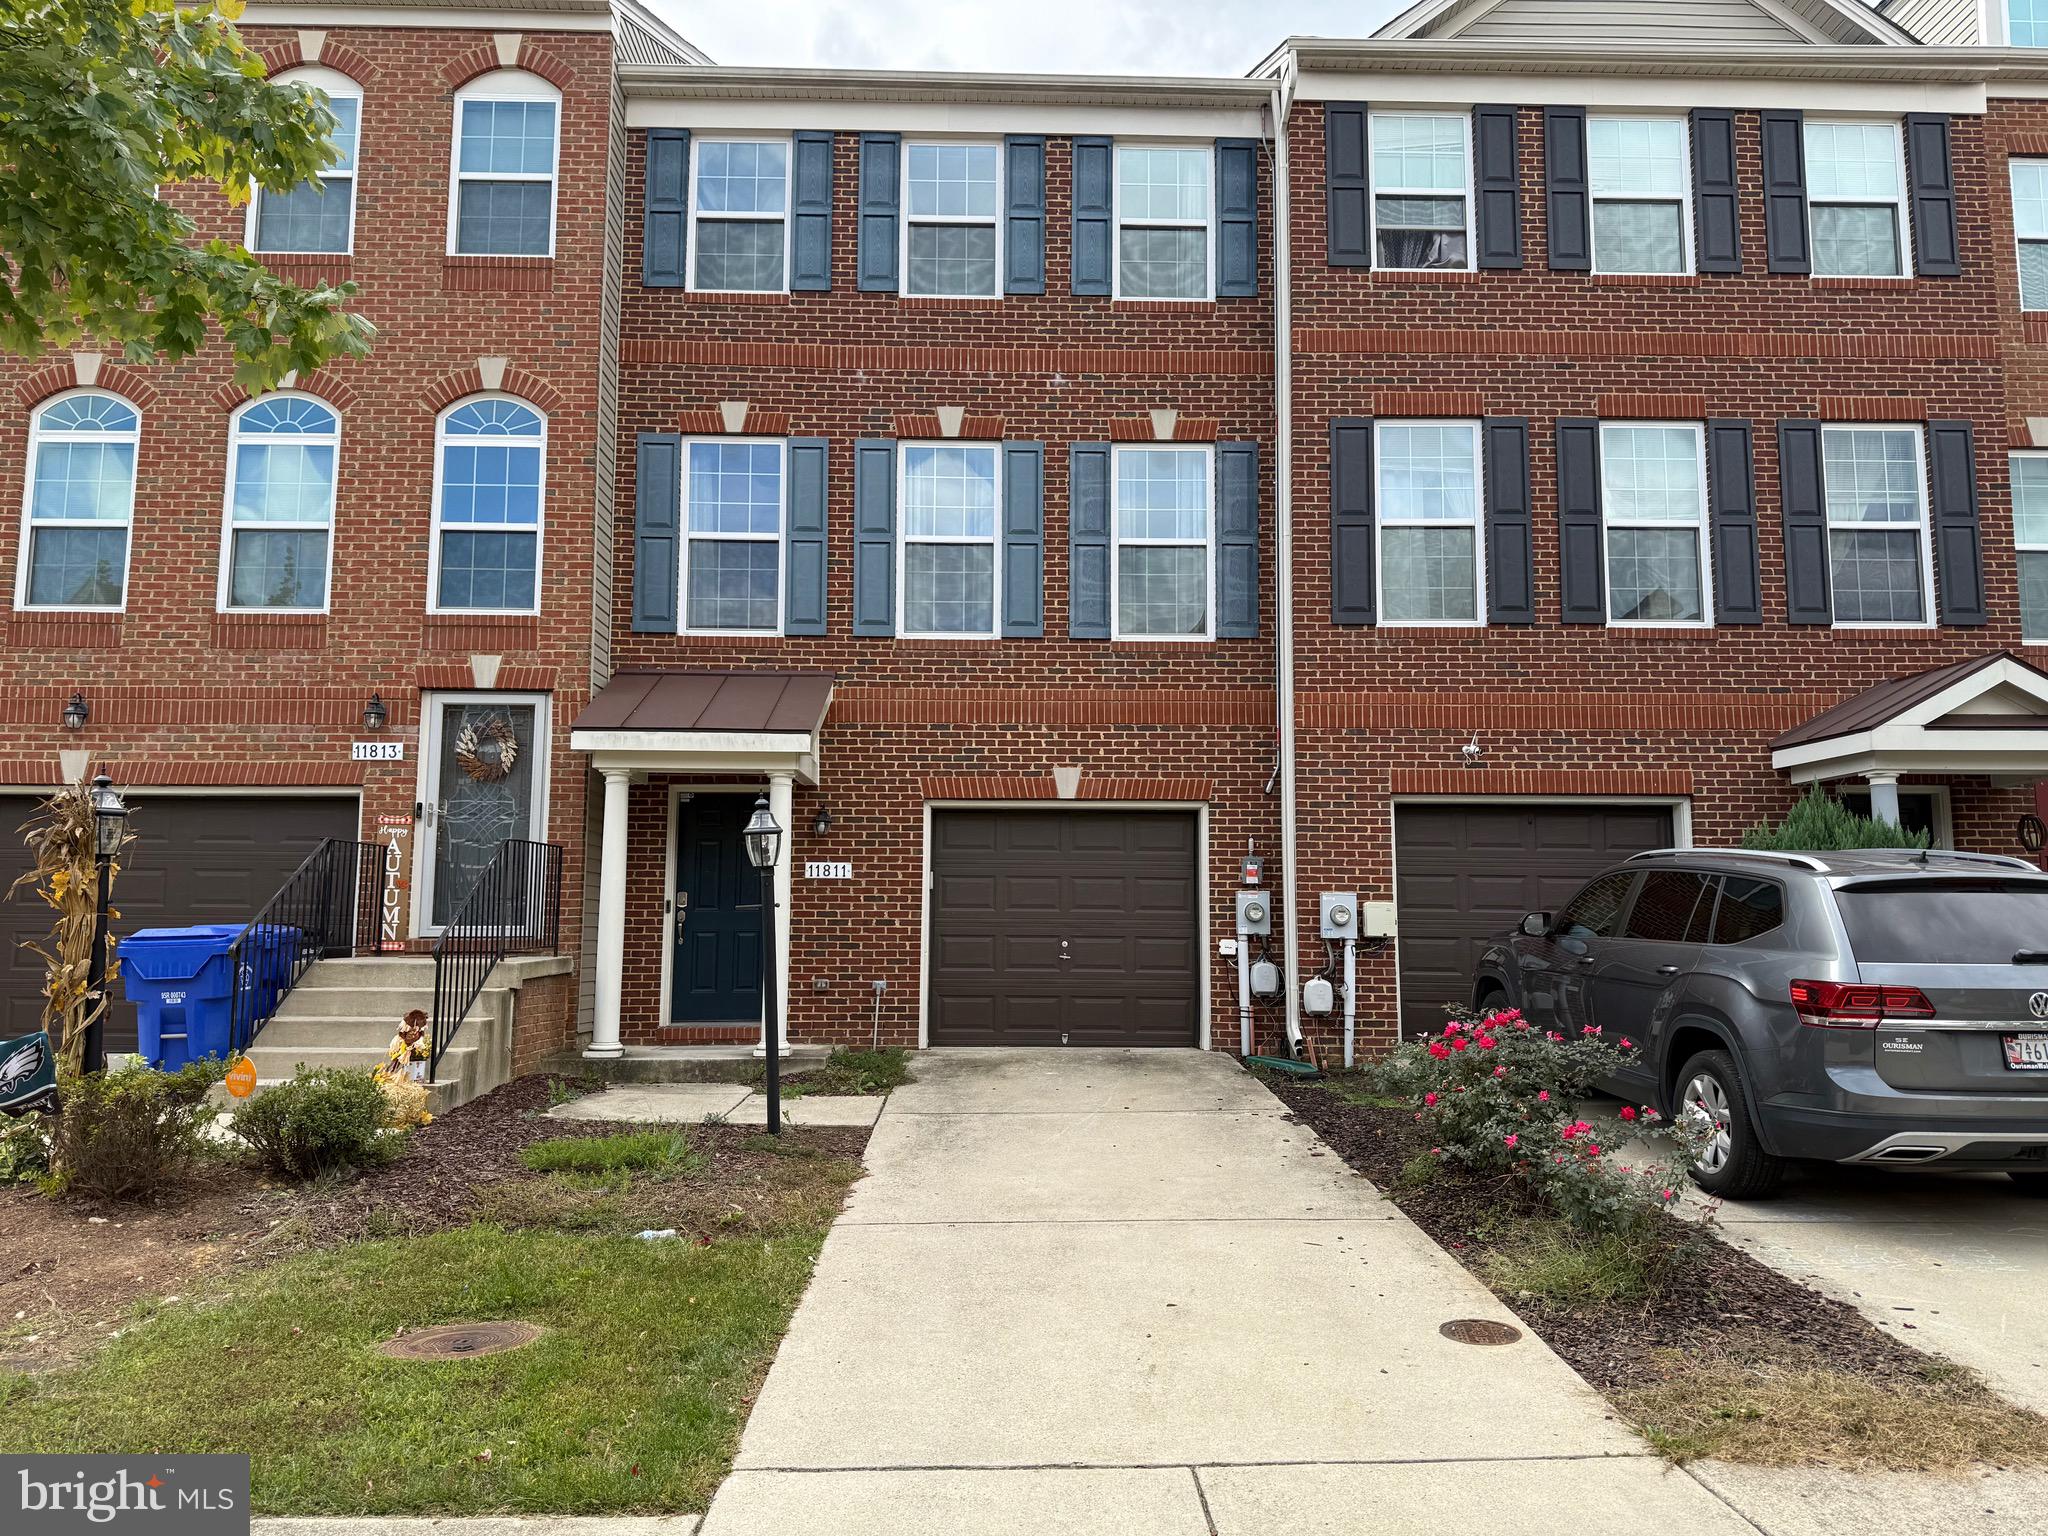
point(717, 974)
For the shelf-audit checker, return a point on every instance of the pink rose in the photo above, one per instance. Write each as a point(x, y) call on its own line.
point(1429, 1098)
point(1514, 1140)
point(1627, 1113)
point(1543, 1097)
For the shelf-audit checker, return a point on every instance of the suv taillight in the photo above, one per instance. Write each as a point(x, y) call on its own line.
point(1856, 1004)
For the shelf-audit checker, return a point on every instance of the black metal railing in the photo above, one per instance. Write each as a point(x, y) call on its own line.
point(515, 908)
point(329, 907)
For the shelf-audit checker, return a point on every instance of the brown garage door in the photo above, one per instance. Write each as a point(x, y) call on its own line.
point(196, 859)
point(1064, 928)
point(1465, 874)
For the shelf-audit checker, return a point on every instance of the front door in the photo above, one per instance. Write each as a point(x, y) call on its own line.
point(484, 787)
point(716, 915)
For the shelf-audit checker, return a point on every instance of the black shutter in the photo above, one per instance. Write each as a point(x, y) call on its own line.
point(1088, 541)
point(1510, 560)
point(1930, 175)
point(1497, 178)
point(1784, 143)
point(1237, 218)
point(1731, 521)
point(1347, 184)
point(1023, 540)
point(1958, 537)
point(1024, 213)
point(1094, 168)
point(657, 519)
point(1568, 190)
point(1353, 596)
point(1237, 541)
point(665, 211)
point(1582, 573)
point(810, 214)
point(1716, 191)
point(803, 608)
point(874, 536)
point(881, 207)
point(1803, 505)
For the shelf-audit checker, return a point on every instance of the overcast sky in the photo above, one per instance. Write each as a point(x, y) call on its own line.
point(1154, 37)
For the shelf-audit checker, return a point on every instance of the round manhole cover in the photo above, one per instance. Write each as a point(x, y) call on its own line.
point(1479, 1330)
point(460, 1341)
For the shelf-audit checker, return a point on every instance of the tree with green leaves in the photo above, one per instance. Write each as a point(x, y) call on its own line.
point(1821, 823)
point(102, 104)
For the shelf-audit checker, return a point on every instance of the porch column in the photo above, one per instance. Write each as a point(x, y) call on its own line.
point(611, 916)
point(780, 799)
point(1884, 797)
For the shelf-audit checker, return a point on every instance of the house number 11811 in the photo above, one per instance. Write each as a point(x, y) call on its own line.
point(819, 870)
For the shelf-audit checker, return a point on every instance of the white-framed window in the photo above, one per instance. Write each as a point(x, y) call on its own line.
point(1163, 236)
point(1653, 503)
point(318, 216)
point(2030, 229)
point(2030, 538)
point(948, 547)
point(1878, 562)
point(2026, 23)
point(952, 241)
point(1856, 199)
point(80, 502)
point(1162, 586)
point(739, 215)
point(1432, 557)
point(732, 535)
point(275, 551)
point(507, 146)
point(1422, 190)
point(490, 472)
point(1640, 169)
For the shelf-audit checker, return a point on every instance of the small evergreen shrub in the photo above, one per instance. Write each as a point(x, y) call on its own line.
point(327, 1122)
point(126, 1135)
point(1820, 824)
point(24, 1148)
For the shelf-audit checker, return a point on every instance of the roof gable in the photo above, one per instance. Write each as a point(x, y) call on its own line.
point(1712, 23)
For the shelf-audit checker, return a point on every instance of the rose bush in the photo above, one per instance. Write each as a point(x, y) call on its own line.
point(1499, 1098)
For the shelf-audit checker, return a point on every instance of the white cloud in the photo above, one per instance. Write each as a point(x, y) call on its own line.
point(1151, 37)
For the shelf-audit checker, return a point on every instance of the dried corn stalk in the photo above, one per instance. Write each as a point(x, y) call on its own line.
point(62, 839)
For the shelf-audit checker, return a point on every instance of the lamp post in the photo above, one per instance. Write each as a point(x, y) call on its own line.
point(764, 846)
point(109, 822)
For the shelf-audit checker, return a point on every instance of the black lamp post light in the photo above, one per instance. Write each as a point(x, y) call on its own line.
point(764, 843)
point(110, 823)
point(375, 713)
point(76, 712)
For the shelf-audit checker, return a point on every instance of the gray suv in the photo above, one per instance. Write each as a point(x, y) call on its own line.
point(1885, 1007)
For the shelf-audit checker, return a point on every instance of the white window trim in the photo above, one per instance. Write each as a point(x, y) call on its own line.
point(26, 548)
point(229, 527)
point(2022, 548)
point(1117, 541)
point(690, 247)
point(2019, 241)
point(1683, 197)
point(1922, 527)
point(779, 538)
point(540, 521)
point(904, 539)
point(1206, 224)
point(1902, 215)
point(1374, 191)
point(994, 221)
point(503, 85)
point(1697, 526)
point(1477, 523)
point(337, 86)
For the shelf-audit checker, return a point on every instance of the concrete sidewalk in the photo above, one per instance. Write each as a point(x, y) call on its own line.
point(1120, 1292)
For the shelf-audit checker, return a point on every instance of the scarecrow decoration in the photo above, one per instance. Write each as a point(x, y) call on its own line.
point(403, 1077)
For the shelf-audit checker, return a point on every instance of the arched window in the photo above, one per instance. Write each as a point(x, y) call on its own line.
point(507, 134)
point(281, 459)
point(317, 216)
point(490, 463)
point(81, 502)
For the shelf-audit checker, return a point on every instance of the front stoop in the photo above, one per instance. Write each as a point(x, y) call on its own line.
point(345, 1012)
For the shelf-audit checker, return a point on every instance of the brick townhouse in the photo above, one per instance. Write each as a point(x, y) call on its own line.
point(1640, 418)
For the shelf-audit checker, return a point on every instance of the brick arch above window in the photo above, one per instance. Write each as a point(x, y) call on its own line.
point(63, 373)
point(327, 385)
point(534, 58)
point(334, 54)
point(530, 387)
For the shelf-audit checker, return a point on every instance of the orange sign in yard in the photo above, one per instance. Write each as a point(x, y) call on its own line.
point(241, 1078)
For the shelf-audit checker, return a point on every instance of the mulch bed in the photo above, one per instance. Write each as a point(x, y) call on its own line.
point(1720, 1301)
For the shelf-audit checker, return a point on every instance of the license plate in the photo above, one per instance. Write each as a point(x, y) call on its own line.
point(2027, 1053)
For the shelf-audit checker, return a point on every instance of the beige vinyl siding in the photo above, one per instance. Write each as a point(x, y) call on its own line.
point(1940, 23)
point(1707, 22)
point(611, 297)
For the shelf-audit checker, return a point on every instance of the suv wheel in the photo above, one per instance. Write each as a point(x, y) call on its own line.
point(2035, 1184)
point(1733, 1164)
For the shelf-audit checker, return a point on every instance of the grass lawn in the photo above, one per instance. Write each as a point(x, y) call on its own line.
point(845, 1071)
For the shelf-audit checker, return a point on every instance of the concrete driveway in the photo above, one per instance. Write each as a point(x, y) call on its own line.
point(1120, 1293)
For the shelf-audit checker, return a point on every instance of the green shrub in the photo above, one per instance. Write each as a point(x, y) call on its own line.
point(24, 1148)
point(326, 1122)
point(1821, 823)
point(845, 1071)
point(642, 1151)
point(125, 1135)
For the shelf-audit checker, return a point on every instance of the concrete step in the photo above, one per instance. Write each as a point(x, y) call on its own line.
point(373, 971)
point(316, 998)
point(317, 1030)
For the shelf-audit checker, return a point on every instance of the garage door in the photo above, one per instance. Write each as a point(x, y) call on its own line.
point(196, 859)
point(1465, 874)
point(1064, 928)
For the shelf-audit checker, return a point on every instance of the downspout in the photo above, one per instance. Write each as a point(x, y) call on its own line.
point(1283, 522)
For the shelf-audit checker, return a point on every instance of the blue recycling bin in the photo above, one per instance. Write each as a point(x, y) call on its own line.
point(183, 990)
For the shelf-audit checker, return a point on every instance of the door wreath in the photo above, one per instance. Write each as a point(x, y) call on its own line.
point(487, 750)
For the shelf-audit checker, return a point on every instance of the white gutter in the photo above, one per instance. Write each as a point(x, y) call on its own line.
point(1283, 522)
